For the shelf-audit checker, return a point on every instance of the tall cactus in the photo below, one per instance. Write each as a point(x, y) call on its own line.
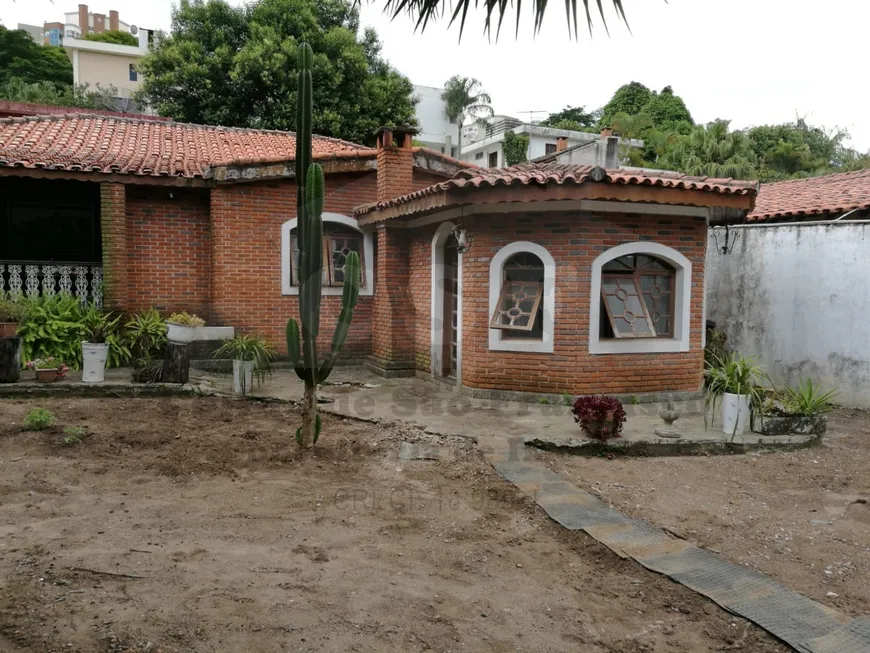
point(302, 347)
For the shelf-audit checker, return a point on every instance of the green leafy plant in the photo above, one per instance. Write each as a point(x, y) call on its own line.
point(544, 400)
point(74, 434)
point(52, 327)
point(146, 334)
point(106, 328)
point(807, 399)
point(186, 319)
point(567, 399)
point(715, 348)
point(250, 348)
point(12, 307)
point(38, 419)
point(737, 375)
point(302, 346)
point(516, 148)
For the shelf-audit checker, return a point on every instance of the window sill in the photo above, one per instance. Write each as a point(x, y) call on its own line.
point(326, 291)
point(639, 346)
point(498, 343)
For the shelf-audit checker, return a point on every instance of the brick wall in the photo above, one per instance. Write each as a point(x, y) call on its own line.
point(246, 224)
point(574, 241)
point(424, 178)
point(169, 249)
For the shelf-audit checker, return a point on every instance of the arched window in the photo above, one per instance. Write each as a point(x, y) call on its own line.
point(522, 298)
point(641, 300)
point(637, 297)
point(341, 235)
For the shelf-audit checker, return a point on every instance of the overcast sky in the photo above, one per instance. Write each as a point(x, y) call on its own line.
point(753, 61)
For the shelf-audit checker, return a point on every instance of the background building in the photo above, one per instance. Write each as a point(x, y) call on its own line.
point(436, 131)
point(79, 23)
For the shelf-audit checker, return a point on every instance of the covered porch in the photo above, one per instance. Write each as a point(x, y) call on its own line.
point(50, 238)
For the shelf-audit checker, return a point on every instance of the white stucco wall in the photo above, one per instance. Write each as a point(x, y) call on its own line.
point(798, 297)
point(435, 129)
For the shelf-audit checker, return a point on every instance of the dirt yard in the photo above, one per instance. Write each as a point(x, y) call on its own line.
point(801, 517)
point(194, 525)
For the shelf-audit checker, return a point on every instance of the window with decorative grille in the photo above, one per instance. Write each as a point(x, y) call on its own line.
point(637, 298)
point(338, 242)
point(519, 311)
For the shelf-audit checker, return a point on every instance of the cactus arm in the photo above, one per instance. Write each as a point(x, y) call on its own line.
point(349, 297)
point(293, 348)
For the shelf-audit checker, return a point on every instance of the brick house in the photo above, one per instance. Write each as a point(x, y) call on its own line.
point(480, 277)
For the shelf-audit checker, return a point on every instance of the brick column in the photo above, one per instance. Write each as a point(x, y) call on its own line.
point(393, 318)
point(113, 226)
point(395, 163)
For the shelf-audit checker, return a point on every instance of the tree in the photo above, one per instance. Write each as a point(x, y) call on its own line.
point(113, 36)
point(21, 58)
point(668, 111)
point(424, 11)
point(225, 65)
point(576, 118)
point(630, 128)
point(629, 99)
point(302, 345)
point(464, 97)
point(80, 95)
point(516, 148)
point(713, 150)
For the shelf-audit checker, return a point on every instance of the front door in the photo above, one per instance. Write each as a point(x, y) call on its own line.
point(450, 343)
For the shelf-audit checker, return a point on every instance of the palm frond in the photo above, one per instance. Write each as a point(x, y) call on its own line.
point(424, 11)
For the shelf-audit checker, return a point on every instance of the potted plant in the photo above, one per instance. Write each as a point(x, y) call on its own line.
point(95, 349)
point(735, 383)
point(48, 369)
point(600, 417)
point(799, 410)
point(146, 334)
point(11, 313)
point(181, 328)
point(252, 357)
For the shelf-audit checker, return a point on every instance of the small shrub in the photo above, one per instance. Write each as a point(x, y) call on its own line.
point(186, 319)
point(807, 399)
point(567, 399)
point(74, 434)
point(600, 417)
point(38, 419)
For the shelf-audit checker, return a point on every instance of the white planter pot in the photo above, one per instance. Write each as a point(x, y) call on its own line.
point(735, 413)
point(243, 376)
point(179, 334)
point(94, 356)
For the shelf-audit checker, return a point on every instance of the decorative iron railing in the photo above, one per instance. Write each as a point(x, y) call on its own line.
point(84, 280)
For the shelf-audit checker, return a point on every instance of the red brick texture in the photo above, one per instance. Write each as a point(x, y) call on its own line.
point(246, 259)
point(393, 326)
point(574, 240)
point(113, 229)
point(169, 249)
point(395, 172)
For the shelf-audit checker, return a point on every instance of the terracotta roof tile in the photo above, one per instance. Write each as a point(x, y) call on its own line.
point(823, 196)
point(108, 144)
point(555, 173)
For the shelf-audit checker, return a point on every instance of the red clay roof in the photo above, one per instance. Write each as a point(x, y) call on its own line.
point(108, 144)
point(823, 196)
point(555, 173)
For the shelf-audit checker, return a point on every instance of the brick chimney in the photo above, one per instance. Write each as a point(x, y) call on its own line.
point(561, 144)
point(114, 21)
point(99, 23)
point(83, 19)
point(395, 162)
point(607, 132)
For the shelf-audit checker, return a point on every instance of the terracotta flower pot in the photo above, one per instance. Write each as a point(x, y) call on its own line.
point(46, 376)
point(8, 329)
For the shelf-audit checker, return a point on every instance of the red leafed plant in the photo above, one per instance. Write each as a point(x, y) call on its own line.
point(600, 417)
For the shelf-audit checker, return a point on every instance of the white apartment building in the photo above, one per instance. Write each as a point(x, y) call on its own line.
point(436, 131)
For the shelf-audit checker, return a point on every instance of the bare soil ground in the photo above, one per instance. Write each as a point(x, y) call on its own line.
point(224, 538)
point(801, 517)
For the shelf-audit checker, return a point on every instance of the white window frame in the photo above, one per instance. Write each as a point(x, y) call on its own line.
point(682, 303)
point(498, 339)
point(287, 288)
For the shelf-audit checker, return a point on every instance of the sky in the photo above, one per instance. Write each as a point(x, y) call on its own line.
point(750, 61)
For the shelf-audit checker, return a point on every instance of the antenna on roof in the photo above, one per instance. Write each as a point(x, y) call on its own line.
point(532, 114)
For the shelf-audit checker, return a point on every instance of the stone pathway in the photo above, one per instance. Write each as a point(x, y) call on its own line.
point(807, 626)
